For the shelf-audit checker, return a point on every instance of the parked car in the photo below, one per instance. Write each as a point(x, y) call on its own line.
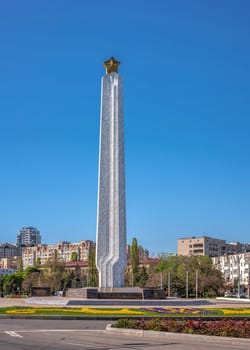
point(235, 295)
point(244, 296)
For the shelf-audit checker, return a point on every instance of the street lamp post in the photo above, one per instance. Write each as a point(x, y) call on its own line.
point(238, 277)
point(186, 284)
point(196, 284)
point(169, 283)
point(248, 289)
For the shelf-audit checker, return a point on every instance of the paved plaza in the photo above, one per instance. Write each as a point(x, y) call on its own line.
point(76, 302)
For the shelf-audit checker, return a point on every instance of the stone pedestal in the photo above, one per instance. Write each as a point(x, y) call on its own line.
point(84, 293)
point(116, 293)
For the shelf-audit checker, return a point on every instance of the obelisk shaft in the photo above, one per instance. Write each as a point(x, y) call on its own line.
point(111, 216)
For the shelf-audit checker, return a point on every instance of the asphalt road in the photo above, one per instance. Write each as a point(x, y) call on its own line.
point(85, 335)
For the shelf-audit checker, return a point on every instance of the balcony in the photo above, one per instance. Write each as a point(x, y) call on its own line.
point(198, 251)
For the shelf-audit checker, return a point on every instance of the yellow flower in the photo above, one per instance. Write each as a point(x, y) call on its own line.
point(236, 312)
point(112, 312)
point(20, 311)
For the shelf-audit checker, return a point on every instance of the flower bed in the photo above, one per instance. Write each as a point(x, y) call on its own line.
point(16, 296)
point(181, 311)
point(225, 328)
point(71, 311)
point(147, 312)
point(171, 311)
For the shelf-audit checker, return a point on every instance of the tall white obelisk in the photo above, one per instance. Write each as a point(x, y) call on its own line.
point(111, 258)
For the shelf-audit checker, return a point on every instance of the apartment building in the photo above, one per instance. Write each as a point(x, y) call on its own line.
point(237, 247)
point(4, 272)
point(10, 263)
point(28, 236)
point(236, 270)
point(196, 246)
point(62, 251)
point(8, 250)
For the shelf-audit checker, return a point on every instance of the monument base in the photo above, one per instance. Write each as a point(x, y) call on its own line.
point(116, 293)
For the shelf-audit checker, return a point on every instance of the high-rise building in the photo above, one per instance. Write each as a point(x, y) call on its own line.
point(28, 236)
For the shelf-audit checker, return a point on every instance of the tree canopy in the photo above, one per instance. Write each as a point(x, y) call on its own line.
point(200, 269)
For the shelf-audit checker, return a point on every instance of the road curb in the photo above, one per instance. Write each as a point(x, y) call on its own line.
point(60, 317)
point(118, 317)
point(190, 338)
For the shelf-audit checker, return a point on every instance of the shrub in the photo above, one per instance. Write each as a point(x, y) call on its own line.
point(125, 323)
point(225, 328)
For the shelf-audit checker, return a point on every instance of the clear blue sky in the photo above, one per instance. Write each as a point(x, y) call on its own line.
point(186, 73)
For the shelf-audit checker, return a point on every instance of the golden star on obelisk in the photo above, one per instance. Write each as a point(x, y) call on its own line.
point(111, 65)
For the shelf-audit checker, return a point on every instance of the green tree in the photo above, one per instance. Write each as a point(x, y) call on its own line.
point(92, 270)
point(134, 260)
point(31, 280)
point(2, 280)
point(67, 278)
point(31, 277)
point(20, 267)
point(52, 273)
point(210, 280)
point(76, 280)
point(74, 256)
point(13, 283)
point(29, 270)
point(38, 262)
point(142, 277)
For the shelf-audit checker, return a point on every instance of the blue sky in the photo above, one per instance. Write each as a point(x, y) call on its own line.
point(186, 74)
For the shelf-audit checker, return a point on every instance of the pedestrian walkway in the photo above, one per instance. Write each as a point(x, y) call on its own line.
point(33, 301)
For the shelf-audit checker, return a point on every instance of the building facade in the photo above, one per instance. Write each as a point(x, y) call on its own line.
point(236, 271)
point(196, 246)
point(62, 252)
point(8, 250)
point(4, 272)
point(28, 236)
point(11, 263)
